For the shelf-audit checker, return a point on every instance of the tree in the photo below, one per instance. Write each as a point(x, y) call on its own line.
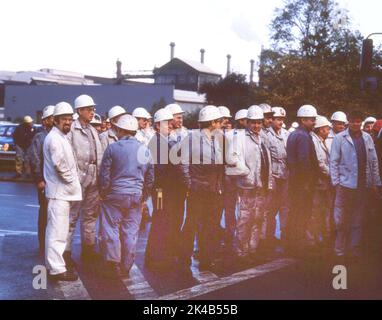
point(232, 91)
point(158, 105)
point(314, 59)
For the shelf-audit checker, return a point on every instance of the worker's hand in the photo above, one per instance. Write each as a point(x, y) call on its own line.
point(41, 185)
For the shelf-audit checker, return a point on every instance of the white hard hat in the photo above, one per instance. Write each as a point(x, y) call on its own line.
point(279, 112)
point(127, 122)
point(241, 114)
point(96, 119)
point(83, 101)
point(47, 112)
point(255, 113)
point(174, 108)
point(115, 112)
point(209, 113)
point(294, 125)
point(75, 116)
point(62, 108)
point(141, 113)
point(266, 108)
point(339, 116)
point(28, 119)
point(321, 121)
point(370, 119)
point(284, 125)
point(224, 111)
point(163, 115)
point(307, 111)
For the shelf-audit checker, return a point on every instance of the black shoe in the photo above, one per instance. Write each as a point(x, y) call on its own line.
point(89, 253)
point(65, 276)
point(69, 263)
point(112, 270)
point(212, 266)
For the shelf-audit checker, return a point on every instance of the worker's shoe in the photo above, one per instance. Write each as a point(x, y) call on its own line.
point(112, 270)
point(69, 263)
point(65, 276)
point(89, 253)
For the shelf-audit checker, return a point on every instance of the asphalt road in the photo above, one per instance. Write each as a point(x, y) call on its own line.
point(273, 276)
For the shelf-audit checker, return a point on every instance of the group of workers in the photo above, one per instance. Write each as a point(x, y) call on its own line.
point(248, 169)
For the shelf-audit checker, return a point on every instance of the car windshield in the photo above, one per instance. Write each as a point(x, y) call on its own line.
point(10, 131)
point(7, 131)
point(3, 129)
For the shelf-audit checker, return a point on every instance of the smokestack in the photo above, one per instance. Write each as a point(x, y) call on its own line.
point(172, 45)
point(119, 69)
point(202, 51)
point(251, 73)
point(228, 64)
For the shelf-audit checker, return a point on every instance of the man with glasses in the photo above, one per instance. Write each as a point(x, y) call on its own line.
point(88, 153)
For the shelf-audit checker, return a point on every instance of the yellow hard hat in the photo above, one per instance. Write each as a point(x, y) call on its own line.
point(28, 119)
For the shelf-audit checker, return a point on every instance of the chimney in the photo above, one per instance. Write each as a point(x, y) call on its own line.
point(172, 45)
point(228, 64)
point(251, 73)
point(202, 51)
point(119, 78)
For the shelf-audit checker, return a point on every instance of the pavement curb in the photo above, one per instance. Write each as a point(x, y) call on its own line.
point(11, 179)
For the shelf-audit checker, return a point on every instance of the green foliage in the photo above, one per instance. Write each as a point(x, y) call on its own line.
point(190, 120)
point(232, 91)
point(158, 105)
point(314, 60)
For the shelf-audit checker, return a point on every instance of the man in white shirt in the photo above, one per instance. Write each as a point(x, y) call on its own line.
point(62, 188)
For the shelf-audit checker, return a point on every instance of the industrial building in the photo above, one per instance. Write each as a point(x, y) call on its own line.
point(27, 92)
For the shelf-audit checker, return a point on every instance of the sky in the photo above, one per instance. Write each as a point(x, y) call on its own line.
point(88, 36)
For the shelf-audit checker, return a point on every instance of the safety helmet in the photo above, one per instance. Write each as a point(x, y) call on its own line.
point(255, 113)
point(96, 119)
point(278, 112)
point(209, 113)
point(47, 112)
point(83, 101)
point(224, 111)
point(116, 111)
point(294, 125)
point(370, 120)
point(28, 119)
point(266, 108)
point(62, 108)
point(339, 116)
point(163, 115)
point(75, 116)
point(321, 121)
point(174, 108)
point(127, 122)
point(141, 113)
point(241, 114)
point(307, 111)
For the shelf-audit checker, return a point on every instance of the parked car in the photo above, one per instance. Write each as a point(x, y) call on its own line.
point(7, 145)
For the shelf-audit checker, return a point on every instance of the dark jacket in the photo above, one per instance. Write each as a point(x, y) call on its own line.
point(302, 159)
point(207, 175)
point(23, 135)
point(36, 155)
point(166, 174)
